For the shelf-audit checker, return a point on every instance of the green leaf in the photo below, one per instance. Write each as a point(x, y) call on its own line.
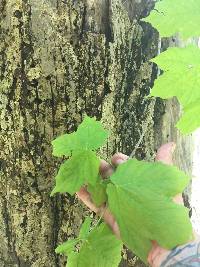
point(90, 135)
point(65, 144)
point(190, 120)
point(181, 78)
point(67, 247)
point(141, 200)
point(102, 248)
point(182, 74)
point(72, 260)
point(177, 16)
point(98, 191)
point(85, 228)
point(80, 169)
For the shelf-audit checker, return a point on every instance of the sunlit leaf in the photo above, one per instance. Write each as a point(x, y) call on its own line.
point(177, 16)
point(181, 78)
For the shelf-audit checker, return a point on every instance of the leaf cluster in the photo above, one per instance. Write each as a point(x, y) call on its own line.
point(139, 194)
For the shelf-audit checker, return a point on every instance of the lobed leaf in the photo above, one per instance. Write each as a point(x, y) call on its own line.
point(143, 207)
point(190, 120)
point(102, 248)
point(181, 78)
point(67, 247)
point(90, 135)
point(177, 16)
point(80, 169)
point(85, 228)
point(65, 144)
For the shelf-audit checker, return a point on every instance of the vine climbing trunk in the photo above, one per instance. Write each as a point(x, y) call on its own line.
point(60, 60)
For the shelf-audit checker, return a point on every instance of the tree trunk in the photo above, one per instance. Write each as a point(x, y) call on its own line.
point(60, 60)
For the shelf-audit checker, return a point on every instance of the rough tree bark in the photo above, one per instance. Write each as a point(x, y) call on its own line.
point(59, 60)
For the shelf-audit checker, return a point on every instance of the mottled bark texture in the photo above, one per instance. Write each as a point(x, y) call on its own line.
point(60, 60)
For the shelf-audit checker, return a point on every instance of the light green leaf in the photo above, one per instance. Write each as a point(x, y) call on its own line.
point(179, 59)
point(65, 144)
point(182, 74)
point(67, 247)
point(89, 136)
point(177, 16)
point(72, 260)
point(80, 169)
point(141, 200)
point(91, 133)
point(98, 191)
point(85, 228)
point(181, 78)
point(190, 120)
point(102, 248)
